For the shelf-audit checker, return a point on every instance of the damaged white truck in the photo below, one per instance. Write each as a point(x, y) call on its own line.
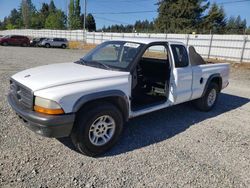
point(89, 100)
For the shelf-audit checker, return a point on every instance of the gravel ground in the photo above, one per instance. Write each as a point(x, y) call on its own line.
point(176, 147)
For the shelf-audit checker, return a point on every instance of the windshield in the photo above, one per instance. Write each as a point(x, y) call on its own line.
point(113, 54)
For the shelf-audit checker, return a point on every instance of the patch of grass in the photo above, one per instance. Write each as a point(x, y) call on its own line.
point(81, 45)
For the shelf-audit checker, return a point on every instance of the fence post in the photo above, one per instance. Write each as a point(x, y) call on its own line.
point(187, 40)
point(94, 38)
point(102, 37)
point(210, 46)
point(243, 49)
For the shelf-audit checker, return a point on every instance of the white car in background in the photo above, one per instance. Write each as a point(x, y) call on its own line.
point(89, 100)
point(55, 42)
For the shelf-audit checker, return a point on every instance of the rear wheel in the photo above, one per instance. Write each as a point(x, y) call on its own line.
point(208, 101)
point(64, 46)
point(97, 128)
point(47, 45)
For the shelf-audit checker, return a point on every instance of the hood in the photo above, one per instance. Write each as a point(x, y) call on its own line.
point(59, 74)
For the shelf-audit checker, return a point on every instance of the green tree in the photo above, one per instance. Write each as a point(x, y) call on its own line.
point(4, 23)
point(75, 14)
point(90, 23)
point(180, 15)
point(15, 18)
point(248, 31)
point(52, 7)
point(10, 26)
point(77, 24)
point(27, 10)
point(37, 21)
point(56, 20)
point(1, 25)
point(44, 13)
point(236, 25)
point(71, 16)
point(215, 20)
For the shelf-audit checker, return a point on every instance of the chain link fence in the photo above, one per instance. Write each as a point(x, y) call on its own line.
point(227, 47)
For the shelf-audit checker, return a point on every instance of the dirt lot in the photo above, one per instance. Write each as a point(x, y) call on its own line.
point(176, 147)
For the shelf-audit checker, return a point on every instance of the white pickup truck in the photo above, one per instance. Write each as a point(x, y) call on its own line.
point(89, 100)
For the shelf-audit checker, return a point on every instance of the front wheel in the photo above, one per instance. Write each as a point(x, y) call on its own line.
point(24, 44)
point(63, 46)
point(97, 128)
point(47, 45)
point(208, 101)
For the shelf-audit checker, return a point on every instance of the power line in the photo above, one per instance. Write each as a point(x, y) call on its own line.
point(233, 2)
point(154, 11)
point(131, 12)
point(111, 20)
point(121, 1)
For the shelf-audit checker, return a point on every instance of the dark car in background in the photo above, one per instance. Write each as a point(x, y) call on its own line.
point(36, 42)
point(15, 40)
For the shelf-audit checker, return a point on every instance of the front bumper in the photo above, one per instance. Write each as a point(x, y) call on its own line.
point(55, 126)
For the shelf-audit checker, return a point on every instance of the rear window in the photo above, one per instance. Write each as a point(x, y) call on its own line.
point(180, 55)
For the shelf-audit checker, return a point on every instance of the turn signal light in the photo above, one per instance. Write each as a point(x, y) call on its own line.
point(48, 111)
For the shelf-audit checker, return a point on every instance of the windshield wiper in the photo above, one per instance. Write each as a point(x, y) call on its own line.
point(100, 63)
point(90, 63)
point(81, 61)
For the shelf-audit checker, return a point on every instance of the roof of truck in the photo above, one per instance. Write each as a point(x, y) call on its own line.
point(147, 40)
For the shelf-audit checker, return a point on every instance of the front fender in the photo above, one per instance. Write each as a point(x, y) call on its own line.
point(102, 95)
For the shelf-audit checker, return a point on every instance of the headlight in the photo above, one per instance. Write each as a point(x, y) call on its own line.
point(47, 106)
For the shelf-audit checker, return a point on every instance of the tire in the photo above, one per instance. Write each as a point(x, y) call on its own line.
point(209, 100)
point(47, 45)
point(5, 44)
point(89, 135)
point(24, 45)
point(63, 46)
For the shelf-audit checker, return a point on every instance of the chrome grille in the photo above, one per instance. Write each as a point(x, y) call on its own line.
point(23, 95)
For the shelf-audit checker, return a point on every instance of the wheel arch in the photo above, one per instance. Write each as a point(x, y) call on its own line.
point(214, 78)
point(115, 97)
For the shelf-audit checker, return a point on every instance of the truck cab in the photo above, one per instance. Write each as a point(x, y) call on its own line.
point(91, 99)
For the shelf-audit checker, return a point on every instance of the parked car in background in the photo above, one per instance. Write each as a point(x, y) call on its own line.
point(55, 42)
point(36, 42)
point(16, 40)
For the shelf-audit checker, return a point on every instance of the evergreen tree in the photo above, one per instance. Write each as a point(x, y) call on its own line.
point(44, 13)
point(1, 25)
point(71, 14)
point(215, 20)
point(77, 24)
point(52, 7)
point(248, 31)
point(27, 10)
point(236, 25)
point(56, 20)
point(36, 21)
point(75, 14)
point(90, 23)
point(180, 15)
point(14, 20)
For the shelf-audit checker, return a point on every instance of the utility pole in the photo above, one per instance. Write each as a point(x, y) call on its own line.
point(85, 15)
point(66, 9)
